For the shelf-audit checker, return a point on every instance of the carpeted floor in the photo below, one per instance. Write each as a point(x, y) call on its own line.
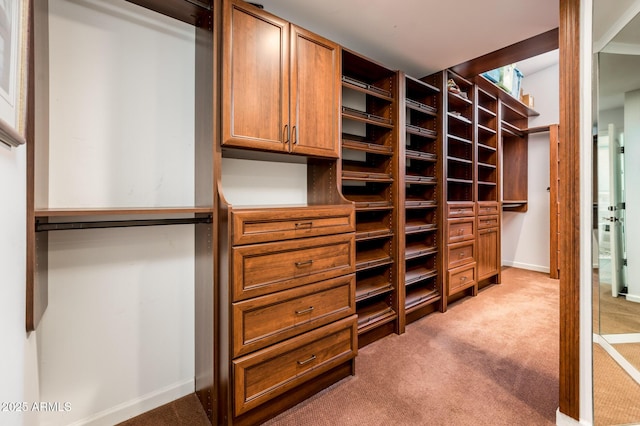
point(616, 395)
point(489, 360)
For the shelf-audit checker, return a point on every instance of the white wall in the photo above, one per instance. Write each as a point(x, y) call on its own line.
point(525, 236)
point(18, 357)
point(632, 175)
point(117, 338)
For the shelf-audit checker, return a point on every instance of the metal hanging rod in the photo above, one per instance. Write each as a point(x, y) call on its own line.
point(199, 4)
point(62, 226)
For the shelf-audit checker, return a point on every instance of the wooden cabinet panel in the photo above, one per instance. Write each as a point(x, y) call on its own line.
point(488, 253)
point(460, 209)
point(258, 226)
point(315, 101)
point(255, 73)
point(264, 268)
point(488, 222)
point(265, 374)
point(460, 254)
point(462, 278)
point(269, 319)
point(280, 85)
point(461, 229)
point(488, 208)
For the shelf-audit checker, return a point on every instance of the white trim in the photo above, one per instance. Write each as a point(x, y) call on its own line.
point(617, 357)
point(617, 26)
point(586, 207)
point(622, 48)
point(564, 420)
point(129, 409)
point(616, 339)
point(632, 298)
point(528, 266)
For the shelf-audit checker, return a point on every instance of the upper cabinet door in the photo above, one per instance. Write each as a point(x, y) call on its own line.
point(315, 94)
point(255, 73)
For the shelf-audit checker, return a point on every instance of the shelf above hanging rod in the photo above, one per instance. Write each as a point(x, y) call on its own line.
point(63, 226)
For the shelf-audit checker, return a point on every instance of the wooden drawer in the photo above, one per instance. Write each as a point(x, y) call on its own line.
point(488, 222)
point(460, 254)
point(259, 226)
point(260, 269)
point(265, 374)
point(461, 209)
point(462, 278)
point(461, 229)
point(488, 208)
point(266, 320)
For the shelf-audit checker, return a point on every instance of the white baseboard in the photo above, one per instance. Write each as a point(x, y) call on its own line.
point(632, 298)
point(564, 420)
point(537, 268)
point(613, 353)
point(129, 409)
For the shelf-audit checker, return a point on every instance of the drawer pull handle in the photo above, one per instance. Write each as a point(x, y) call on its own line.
point(461, 254)
point(304, 225)
point(305, 311)
point(463, 279)
point(460, 231)
point(307, 361)
point(305, 263)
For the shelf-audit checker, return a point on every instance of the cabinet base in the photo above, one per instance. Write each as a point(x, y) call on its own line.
point(295, 396)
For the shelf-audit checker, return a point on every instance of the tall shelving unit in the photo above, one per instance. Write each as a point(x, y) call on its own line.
point(460, 177)
point(420, 156)
point(370, 179)
point(488, 186)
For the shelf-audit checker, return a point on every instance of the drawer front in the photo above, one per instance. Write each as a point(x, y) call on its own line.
point(461, 254)
point(488, 208)
point(260, 269)
point(461, 209)
point(265, 374)
point(461, 229)
point(265, 320)
point(259, 226)
point(485, 222)
point(462, 278)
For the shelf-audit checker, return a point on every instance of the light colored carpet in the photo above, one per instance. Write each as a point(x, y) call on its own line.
point(616, 395)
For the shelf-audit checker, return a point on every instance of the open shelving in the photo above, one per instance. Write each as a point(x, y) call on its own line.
point(421, 165)
point(369, 178)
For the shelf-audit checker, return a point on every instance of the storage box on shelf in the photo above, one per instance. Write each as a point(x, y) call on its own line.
point(420, 157)
point(370, 179)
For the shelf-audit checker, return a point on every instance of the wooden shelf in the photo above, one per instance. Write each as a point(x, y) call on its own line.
point(357, 143)
point(372, 286)
point(367, 88)
point(415, 275)
point(120, 211)
point(365, 117)
point(374, 315)
point(413, 251)
point(420, 297)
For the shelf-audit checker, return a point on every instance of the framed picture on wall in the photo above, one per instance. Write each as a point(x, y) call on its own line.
point(14, 27)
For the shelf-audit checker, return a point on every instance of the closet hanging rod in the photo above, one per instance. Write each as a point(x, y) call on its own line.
point(199, 4)
point(62, 226)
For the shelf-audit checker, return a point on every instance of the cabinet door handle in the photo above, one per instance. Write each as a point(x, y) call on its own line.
point(294, 131)
point(307, 361)
point(304, 225)
point(305, 263)
point(286, 133)
point(305, 311)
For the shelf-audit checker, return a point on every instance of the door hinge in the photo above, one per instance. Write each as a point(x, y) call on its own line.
point(624, 262)
point(621, 150)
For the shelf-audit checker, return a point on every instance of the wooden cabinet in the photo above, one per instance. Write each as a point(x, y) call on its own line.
point(488, 253)
point(420, 206)
point(290, 311)
point(370, 180)
point(280, 85)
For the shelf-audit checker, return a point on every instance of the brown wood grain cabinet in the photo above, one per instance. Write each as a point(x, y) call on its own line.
point(370, 179)
point(420, 204)
point(280, 85)
point(286, 307)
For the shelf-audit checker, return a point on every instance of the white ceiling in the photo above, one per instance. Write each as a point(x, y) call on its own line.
point(421, 36)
